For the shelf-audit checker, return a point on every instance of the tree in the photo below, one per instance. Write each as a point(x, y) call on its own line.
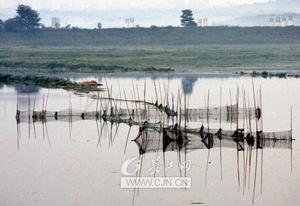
point(1, 25)
point(12, 25)
point(99, 25)
point(26, 19)
point(187, 18)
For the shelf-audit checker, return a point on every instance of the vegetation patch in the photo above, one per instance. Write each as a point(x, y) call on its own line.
point(269, 74)
point(208, 58)
point(42, 81)
point(77, 67)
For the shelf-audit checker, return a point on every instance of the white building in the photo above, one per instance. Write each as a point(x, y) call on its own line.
point(129, 22)
point(55, 23)
point(281, 21)
point(290, 21)
point(203, 22)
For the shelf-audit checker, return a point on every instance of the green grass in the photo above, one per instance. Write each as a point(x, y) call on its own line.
point(147, 58)
point(151, 50)
point(156, 36)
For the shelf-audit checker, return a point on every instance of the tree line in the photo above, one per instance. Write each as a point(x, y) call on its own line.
point(28, 19)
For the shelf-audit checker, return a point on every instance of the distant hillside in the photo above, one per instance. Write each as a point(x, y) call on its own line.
point(154, 36)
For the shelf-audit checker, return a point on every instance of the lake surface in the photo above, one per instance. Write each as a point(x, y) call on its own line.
point(79, 162)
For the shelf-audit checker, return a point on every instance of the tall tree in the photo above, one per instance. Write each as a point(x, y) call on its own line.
point(28, 18)
point(187, 18)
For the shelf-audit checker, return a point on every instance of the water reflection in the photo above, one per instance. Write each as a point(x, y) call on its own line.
point(27, 89)
point(224, 146)
point(249, 155)
point(187, 84)
point(164, 129)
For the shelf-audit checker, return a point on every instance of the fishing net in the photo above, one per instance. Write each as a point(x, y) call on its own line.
point(281, 135)
point(149, 140)
point(225, 113)
point(64, 115)
point(151, 114)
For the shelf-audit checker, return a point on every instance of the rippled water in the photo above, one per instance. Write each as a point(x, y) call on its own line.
point(58, 163)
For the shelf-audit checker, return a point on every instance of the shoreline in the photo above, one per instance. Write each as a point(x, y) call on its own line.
point(200, 73)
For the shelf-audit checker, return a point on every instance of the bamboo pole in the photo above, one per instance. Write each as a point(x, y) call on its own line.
point(29, 117)
point(256, 153)
point(221, 163)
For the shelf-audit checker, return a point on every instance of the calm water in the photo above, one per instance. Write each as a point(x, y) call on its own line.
point(59, 163)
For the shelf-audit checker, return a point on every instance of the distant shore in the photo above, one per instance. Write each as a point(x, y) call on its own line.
point(280, 73)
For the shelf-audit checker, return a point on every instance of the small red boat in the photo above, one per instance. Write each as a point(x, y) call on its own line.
point(91, 83)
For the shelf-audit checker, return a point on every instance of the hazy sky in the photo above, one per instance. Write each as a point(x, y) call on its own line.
point(112, 13)
point(77, 5)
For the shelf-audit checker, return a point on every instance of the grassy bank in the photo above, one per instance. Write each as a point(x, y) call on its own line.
point(209, 49)
point(153, 36)
point(151, 59)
